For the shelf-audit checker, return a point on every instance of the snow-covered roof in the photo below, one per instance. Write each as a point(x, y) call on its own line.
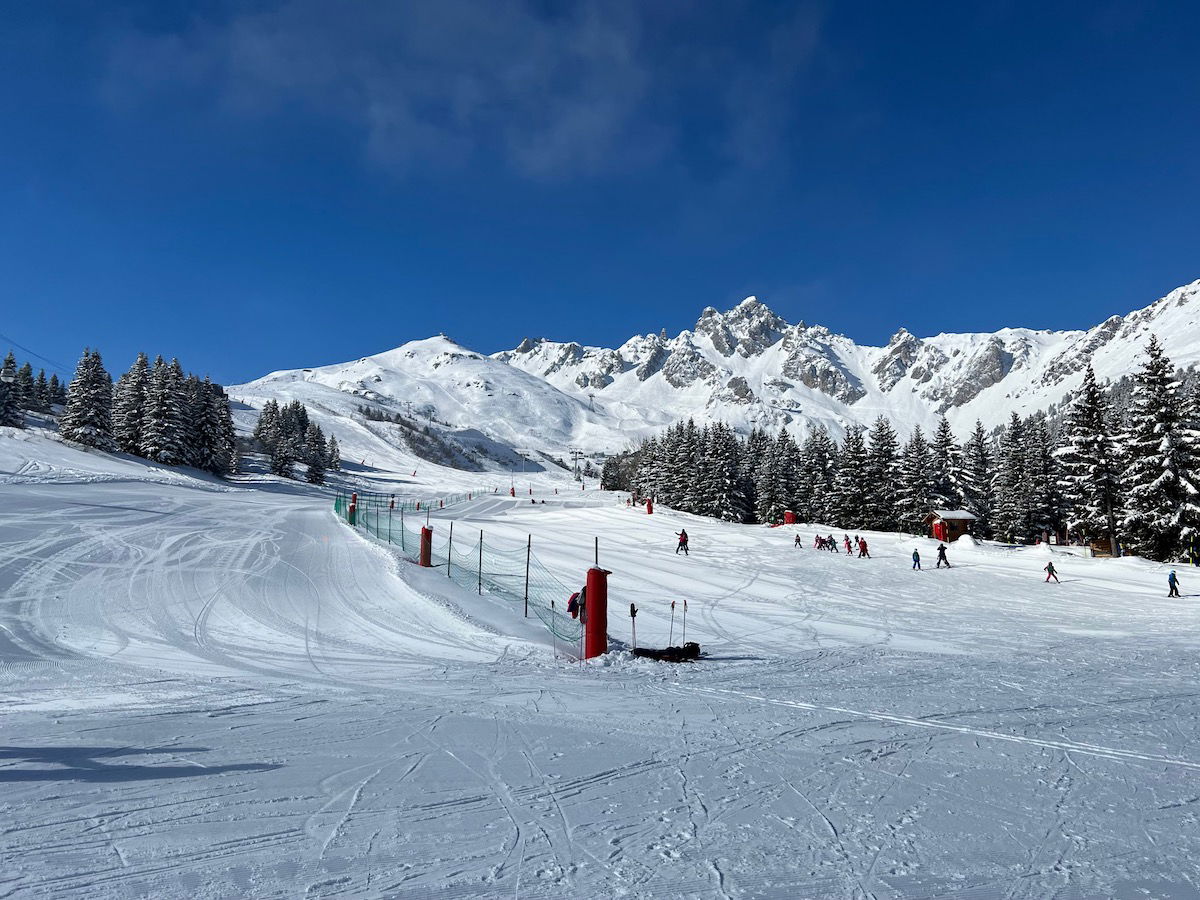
point(953, 514)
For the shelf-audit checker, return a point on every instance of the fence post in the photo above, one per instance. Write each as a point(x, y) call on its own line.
point(402, 547)
point(450, 550)
point(425, 558)
point(481, 563)
point(528, 551)
point(596, 628)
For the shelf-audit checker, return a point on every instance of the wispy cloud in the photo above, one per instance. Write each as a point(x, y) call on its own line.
point(582, 90)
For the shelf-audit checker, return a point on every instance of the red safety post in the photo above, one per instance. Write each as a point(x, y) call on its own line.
point(512, 492)
point(426, 556)
point(352, 513)
point(649, 507)
point(418, 504)
point(392, 502)
point(789, 517)
point(441, 504)
point(595, 640)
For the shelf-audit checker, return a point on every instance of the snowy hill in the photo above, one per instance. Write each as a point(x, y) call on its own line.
point(746, 366)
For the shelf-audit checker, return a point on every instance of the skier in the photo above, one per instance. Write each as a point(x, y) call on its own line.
point(1173, 582)
point(683, 542)
point(832, 545)
point(862, 548)
point(917, 560)
point(797, 540)
point(846, 544)
point(1051, 572)
point(941, 558)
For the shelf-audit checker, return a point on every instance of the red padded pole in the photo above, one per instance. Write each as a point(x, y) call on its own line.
point(426, 557)
point(649, 506)
point(595, 640)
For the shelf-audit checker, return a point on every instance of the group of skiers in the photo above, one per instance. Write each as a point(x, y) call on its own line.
point(830, 543)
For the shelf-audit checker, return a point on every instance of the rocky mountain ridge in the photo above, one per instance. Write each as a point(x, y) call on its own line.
point(746, 366)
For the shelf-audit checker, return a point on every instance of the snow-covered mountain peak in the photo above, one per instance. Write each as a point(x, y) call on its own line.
point(749, 367)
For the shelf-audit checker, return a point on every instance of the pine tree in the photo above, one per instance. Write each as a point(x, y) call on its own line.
point(945, 492)
point(24, 388)
point(816, 468)
point(913, 500)
point(1161, 511)
point(224, 455)
point(851, 483)
point(314, 446)
point(10, 408)
point(1090, 466)
point(882, 470)
point(58, 394)
point(976, 473)
point(267, 428)
point(610, 475)
point(87, 418)
point(1046, 506)
point(41, 393)
point(775, 479)
point(164, 434)
point(283, 459)
point(333, 456)
point(1012, 484)
point(129, 406)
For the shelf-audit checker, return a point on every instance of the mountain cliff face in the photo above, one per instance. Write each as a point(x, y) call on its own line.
point(749, 367)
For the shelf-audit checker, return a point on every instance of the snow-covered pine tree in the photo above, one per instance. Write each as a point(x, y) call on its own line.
point(267, 428)
point(915, 483)
point(24, 383)
point(945, 492)
point(164, 429)
point(1090, 466)
point(815, 476)
point(1012, 486)
point(753, 453)
point(1045, 497)
point(1161, 510)
point(975, 475)
point(314, 444)
point(882, 469)
point(724, 497)
point(850, 494)
point(58, 394)
point(283, 460)
point(129, 405)
point(333, 456)
point(87, 418)
point(10, 409)
point(224, 451)
point(776, 478)
point(41, 393)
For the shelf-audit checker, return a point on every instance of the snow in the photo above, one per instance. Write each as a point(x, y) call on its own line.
point(220, 690)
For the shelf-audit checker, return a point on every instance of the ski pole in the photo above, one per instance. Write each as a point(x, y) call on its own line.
point(633, 623)
point(553, 636)
point(672, 632)
point(683, 640)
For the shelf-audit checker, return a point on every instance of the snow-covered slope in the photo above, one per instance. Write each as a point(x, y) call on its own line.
point(746, 366)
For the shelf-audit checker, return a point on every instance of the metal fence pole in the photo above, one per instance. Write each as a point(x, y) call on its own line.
point(450, 550)
point(481, 563)
point(389, 526)
point(528, 551)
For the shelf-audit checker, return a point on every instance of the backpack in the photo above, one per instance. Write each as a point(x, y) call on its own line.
point(573, 605)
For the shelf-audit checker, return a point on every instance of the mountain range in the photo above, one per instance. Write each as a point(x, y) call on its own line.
point(746, 366)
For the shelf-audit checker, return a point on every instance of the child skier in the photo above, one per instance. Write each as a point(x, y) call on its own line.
point(797, 544)
point(683, 542)
point(862, 548)
point(917, 560)
point(1051, 572)
point(941, 557)
point(1173, 582)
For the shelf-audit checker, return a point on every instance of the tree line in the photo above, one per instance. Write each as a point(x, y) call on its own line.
point(155, 411)
point(1129, 479)
point(20, 391)
point(288, 436)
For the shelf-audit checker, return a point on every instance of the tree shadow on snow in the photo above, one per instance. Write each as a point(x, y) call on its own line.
point(85, 764)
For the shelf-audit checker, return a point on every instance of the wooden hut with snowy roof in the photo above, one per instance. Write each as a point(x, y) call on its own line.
point(949, 524)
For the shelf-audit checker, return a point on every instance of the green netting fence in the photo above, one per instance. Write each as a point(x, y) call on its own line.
point(513, 573)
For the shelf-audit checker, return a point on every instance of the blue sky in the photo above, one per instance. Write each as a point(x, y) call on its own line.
point(284, 183)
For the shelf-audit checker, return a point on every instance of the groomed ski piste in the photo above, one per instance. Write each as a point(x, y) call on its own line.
point(214, 689)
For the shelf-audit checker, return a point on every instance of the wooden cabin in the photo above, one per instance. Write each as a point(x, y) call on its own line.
point(949, 524)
